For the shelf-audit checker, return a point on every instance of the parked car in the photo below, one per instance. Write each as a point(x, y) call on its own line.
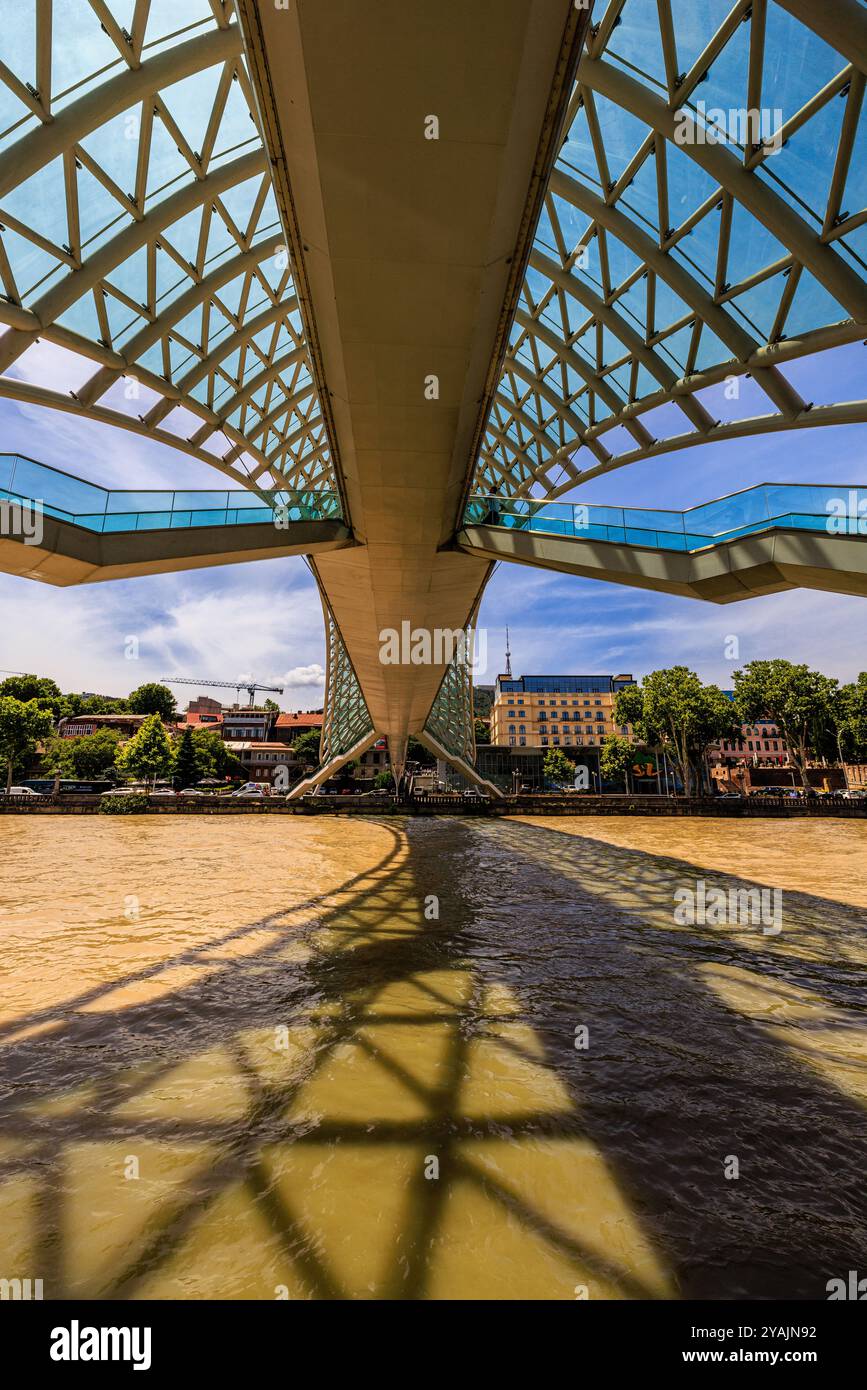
point(192, 791)
point(23, 791)
point(251, 789)
point(163, 791)
point(855, 794)
point(131, 789)
point(474, 794)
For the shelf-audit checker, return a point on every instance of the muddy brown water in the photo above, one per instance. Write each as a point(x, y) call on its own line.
point(315, 1058)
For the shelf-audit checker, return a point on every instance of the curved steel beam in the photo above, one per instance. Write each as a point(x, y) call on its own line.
point(740, 343)
point(185, 303)
point(250, 388)
point(631, 340)
point(238, 339)
point(125, 244)
point(12, 388)
point(111, 98)
point(837, 277)
point(598, 384)
point(841, 23)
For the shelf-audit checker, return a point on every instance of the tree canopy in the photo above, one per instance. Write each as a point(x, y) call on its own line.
point(557, 768)
point(673, 710)
point(153, 698)
point(148, 755)
point(22, 726)
point(798, 700)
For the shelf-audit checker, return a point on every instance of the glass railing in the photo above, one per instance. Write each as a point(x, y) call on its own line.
point(97, 508)
point(833, 510)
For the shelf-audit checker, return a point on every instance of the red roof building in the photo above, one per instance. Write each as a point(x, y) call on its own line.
point(291, 726)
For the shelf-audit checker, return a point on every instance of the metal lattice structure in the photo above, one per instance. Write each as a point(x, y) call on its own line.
point(346, 720)
point(450, 720)
point(140, 232)
point(706, 219)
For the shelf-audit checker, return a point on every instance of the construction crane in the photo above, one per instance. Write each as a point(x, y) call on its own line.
point(251, 687)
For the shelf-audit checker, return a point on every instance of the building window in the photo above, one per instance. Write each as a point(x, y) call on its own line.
point(523, 742)
point(557, 740)
point(544, 742)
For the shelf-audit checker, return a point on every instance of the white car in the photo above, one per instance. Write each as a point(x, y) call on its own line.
point(22, 791)
point(252, 789)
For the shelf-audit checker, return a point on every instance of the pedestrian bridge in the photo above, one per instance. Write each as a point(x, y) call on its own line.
point(762, 540)
point(63, 530)
point(411, 256)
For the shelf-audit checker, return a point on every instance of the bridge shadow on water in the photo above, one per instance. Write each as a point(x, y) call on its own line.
point(376, 1102)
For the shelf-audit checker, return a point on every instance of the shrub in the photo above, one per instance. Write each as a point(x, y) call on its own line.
point(124, 805)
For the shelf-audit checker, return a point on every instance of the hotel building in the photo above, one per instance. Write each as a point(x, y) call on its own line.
point(555, 711)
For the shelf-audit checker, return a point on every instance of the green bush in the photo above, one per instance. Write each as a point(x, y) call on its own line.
point(124, 805)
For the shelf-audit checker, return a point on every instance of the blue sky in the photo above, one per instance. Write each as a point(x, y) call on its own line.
point(265, 618)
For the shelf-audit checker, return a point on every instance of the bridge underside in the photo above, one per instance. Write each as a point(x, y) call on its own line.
point(409, 183)
point(69, 554)
point(485, 249)
point(726, 573)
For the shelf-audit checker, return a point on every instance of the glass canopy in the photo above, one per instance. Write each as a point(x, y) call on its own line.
point(139, 231)
point(704, 226)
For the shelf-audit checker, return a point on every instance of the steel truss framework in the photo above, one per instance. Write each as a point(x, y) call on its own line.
point(140, 230)
point(346, 720)
point(451, 717)
point(679, 248)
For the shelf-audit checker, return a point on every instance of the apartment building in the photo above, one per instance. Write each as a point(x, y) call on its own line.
point(555, 711)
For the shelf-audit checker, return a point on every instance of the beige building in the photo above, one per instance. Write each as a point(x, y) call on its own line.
point(555, 711)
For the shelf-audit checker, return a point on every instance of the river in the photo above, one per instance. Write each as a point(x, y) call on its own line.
point(274, 1057)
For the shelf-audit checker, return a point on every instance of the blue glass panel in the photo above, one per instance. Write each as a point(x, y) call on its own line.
point(140, 501)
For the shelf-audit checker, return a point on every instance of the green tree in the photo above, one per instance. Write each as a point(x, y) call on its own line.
point(153, 698)
point(384, 781)
point(187, 763)
point(799, 701)
point(306, 748)
point(616, 759)
point(93, 704)
point(674, 712)
point(482, 730)
point(90, 756)
point(22, 725)
point(149, 754)
point(557, 768)
point(213, 757)
point(42, 689)
point(417, 753)
point(272, 705)
point(849, 712)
